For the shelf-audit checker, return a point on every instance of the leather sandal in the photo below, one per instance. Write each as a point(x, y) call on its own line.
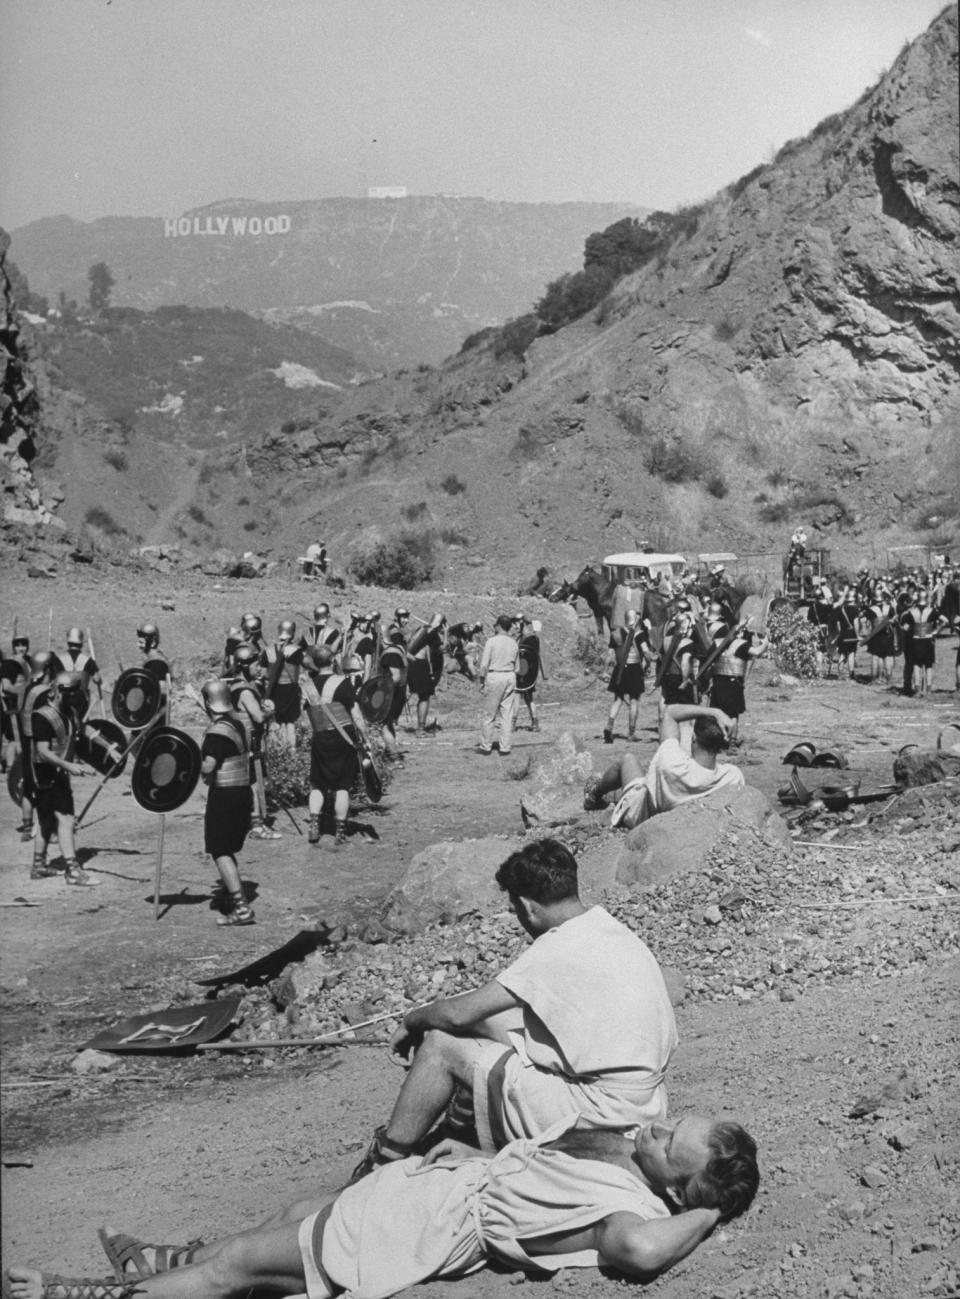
point(130, 1263)
point(377, 1154)
point(79, 1287)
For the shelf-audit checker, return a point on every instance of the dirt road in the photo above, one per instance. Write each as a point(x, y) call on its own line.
point(175, 1148)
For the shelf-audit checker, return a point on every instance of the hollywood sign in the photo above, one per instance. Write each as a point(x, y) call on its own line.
point(180, 227)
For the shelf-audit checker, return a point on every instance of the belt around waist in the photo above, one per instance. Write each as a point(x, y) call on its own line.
point(502, 672)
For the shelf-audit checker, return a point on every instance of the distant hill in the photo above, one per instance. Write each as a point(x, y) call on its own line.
point(396, 282)
point(787, 352)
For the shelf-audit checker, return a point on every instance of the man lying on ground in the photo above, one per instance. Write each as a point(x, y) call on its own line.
point(675, 774)
point(575, 1198)
point(580, 1023)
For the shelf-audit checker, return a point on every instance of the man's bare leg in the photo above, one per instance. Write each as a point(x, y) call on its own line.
point(267, 1258)
point(441, 1063)
point(626, 768)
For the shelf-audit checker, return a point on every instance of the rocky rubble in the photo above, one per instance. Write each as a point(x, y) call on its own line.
point(755, 922)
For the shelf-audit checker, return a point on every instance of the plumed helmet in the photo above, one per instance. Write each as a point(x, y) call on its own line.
point(75, 637)
point(149, 633)
point(234, 637)
point(321, 612)
point(246, 657)
point(353, 664)
point(41, 663)
point(251, 624)
point(69, 683)
point(216, 697)
point(286, 629)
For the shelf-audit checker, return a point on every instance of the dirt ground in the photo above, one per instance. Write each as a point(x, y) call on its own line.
point(172, 1148)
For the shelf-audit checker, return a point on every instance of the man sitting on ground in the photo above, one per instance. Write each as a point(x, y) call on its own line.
point(676, 774)
point(576, 1198)
point(580, 1023)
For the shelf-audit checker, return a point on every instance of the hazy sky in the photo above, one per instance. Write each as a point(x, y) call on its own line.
point(151, 107)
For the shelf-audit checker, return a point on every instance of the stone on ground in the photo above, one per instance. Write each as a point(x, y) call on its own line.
point(445, 881)
point(679, 841)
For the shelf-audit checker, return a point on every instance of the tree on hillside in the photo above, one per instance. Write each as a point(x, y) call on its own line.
point(67, 308)
point(101, 286)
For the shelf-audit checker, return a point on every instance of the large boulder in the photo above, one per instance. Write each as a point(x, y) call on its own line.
point(445, 881)
point(679, 841)
point(555, 795)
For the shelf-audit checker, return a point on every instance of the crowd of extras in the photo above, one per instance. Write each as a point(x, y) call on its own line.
point(341, 674)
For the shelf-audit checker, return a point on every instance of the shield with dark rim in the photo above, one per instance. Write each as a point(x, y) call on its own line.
point(375, 698)
point(137, 698)
point(103, 746)
point(166, 769)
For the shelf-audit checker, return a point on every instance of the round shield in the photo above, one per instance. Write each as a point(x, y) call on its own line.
point(103, 746)
point(166, 769)
point(375, 699)
point(137, 698)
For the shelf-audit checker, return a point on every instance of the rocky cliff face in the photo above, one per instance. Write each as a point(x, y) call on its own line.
point(393, 281)
point(19, 416)
point(793, 356)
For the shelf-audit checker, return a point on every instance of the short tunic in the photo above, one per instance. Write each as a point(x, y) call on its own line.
point(226, 820)
point(334, 763)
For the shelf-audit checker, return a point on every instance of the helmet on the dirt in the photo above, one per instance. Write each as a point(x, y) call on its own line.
point(149, 634)
point(216, 697)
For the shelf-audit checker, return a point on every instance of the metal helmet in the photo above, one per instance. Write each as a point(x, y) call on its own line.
point(41, 663)
point(69, 683)
point(286, 630)
point(245, 656)
point(321, 613)
point(234, 637)
point(23, 641)
point(251, 624)
point(75, 637)
point(401, 614)
point(353, 664)
point(149, 633)
point(373, 617)
point(216, 697)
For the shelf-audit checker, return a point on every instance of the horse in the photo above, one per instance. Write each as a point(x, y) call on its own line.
point(592, 587)
point(600, 595)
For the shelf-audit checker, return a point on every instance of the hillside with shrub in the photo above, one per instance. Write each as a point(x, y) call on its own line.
point(786, 352)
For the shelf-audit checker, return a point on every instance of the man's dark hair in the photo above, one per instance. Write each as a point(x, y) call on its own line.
point(709, 735)
point(504, 622)
point(543, 871)
point(730, 1180)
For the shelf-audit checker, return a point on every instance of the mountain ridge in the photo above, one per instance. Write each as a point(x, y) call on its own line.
point(433, 269)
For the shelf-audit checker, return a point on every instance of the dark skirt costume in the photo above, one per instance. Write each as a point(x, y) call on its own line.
point(727, 694)
point(628, 683)
point(226, 821)
point(333, 763)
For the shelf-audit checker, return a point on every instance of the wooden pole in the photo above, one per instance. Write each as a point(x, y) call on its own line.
point(266, 1044)
point(158, 868)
